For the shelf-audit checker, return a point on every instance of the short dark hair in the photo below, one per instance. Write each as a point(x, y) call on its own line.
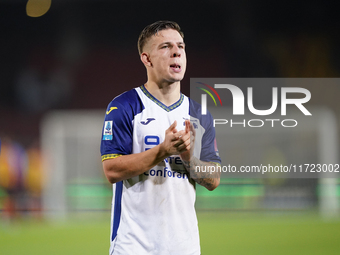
point(153, 29)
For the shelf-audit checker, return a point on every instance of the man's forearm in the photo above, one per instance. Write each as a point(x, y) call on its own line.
point(128, 166)
point(204, 177)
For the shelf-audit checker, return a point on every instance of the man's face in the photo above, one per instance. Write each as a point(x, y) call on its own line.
point(166, 52)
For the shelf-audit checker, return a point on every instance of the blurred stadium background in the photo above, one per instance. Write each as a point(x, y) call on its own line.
point(59, 71)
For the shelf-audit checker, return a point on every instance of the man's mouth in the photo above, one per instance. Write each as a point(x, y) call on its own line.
point(176, 68)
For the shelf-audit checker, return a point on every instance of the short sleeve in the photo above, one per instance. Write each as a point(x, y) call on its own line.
point(117, 129)
point(209, 150)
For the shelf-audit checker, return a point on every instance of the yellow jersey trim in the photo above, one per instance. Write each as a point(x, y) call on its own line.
point(215, 163)
point(109, 156)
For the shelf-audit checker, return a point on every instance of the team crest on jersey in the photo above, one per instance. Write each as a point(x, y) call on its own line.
point(193, 122)
point(107, 133)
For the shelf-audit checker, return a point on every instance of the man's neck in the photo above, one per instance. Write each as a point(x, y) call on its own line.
point(168, 94)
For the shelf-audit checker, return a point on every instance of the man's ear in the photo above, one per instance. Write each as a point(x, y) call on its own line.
point(144, 57)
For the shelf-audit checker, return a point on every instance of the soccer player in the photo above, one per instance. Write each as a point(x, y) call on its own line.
point(153, 139)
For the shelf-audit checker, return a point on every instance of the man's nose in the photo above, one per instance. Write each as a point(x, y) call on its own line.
point(176, 52)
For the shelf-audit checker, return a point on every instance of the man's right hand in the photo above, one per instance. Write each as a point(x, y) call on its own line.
point(174, 141)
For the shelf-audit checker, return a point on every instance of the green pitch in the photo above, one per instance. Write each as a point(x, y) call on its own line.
point(264, 234)
point(221, 233)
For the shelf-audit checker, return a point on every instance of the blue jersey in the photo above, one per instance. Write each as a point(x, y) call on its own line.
point(153, 213)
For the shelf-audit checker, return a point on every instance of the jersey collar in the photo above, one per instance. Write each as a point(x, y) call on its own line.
point(159, 103)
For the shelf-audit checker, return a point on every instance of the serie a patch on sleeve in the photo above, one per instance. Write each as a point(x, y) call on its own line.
point(107, 132)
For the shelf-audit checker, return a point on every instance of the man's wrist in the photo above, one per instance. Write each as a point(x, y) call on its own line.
point(162, 151)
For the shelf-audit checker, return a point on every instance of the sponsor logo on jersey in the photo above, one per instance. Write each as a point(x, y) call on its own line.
point(111, 109)
point(166, 173)
point(148, 120)
point(107, 133)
